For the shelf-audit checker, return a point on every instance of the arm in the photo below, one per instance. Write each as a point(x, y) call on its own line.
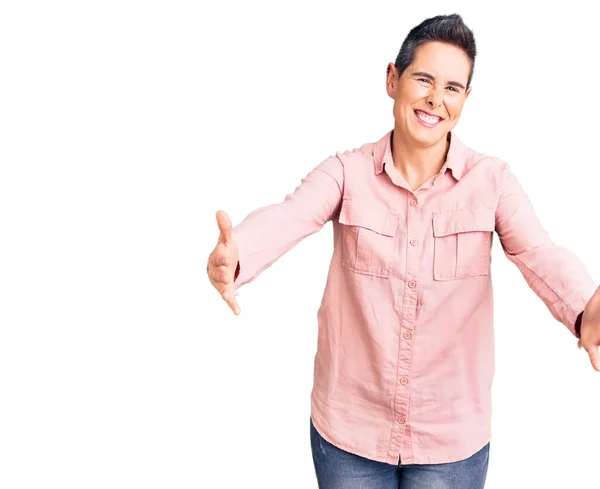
point(555, 274)
point(269, 232)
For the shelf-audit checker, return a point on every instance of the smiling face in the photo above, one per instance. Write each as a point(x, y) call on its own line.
point(430, 94)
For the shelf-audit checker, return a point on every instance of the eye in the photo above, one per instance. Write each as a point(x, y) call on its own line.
point(426, 80)
point(453, 89)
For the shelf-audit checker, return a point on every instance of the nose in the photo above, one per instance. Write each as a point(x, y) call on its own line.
point(434, 99)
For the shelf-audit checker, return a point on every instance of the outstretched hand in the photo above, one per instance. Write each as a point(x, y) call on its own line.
point(590, 330)
point(222, 262)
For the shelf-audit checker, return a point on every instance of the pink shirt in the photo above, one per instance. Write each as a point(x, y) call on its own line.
point(405, 355)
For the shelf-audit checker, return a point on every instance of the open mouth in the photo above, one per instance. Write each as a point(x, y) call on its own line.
point(426, 119)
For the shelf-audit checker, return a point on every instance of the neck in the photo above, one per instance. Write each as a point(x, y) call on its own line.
point(418, 164)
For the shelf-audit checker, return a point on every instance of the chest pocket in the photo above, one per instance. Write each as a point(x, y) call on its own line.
point(367, 238)
point(462, 243)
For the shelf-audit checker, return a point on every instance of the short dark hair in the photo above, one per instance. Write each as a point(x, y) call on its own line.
point(449, 29)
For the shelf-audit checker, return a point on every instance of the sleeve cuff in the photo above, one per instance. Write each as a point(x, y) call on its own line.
point(244, 276)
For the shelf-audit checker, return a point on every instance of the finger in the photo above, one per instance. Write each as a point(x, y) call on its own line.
point(594, 357)
point(221, 274)
point(229, 297)
point(224, 224)
point(220, 286)
point(222, 259)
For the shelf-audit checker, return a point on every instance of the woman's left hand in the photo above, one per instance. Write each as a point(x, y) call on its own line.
point(590, 330)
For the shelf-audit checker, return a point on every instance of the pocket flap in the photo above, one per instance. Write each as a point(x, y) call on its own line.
point(365, 216)
point(463, 221)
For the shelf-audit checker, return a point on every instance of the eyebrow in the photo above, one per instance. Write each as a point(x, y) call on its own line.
point(432, 78)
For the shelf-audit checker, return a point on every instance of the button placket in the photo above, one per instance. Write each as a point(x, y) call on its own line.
point(408, 317)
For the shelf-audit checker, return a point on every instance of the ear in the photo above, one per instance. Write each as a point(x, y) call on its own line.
point(468, 92)
point(391, 80)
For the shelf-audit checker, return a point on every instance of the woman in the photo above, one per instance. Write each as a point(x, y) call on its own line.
point(405, 357)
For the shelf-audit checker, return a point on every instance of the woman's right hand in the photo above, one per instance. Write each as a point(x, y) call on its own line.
point(223, 261)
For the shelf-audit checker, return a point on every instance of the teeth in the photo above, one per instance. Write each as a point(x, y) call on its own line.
point(427, 118)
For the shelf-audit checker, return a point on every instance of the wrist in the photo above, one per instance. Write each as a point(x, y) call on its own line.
point(578, 325)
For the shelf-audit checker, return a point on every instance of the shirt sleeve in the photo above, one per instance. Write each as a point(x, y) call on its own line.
point(269, 232)
point(555, 274)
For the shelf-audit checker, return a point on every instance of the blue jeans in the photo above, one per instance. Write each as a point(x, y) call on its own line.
point(338, 469)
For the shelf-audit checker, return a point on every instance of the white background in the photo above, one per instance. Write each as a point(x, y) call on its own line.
point(126, 125)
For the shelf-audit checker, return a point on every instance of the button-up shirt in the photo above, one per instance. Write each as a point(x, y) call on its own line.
point(405, 351)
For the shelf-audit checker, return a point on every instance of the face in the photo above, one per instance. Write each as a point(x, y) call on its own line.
point(430, 94)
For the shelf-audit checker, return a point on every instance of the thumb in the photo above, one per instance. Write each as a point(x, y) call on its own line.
point(224, 224)
point(594, 357)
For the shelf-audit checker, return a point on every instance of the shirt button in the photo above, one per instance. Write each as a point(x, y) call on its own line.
point(404, 381)
point(412, 284)
point(401, 420)
point(414, 242)
point(413, 202)
point(407, 335)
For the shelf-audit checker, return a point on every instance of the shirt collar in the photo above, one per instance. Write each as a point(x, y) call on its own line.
point(455, 159)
